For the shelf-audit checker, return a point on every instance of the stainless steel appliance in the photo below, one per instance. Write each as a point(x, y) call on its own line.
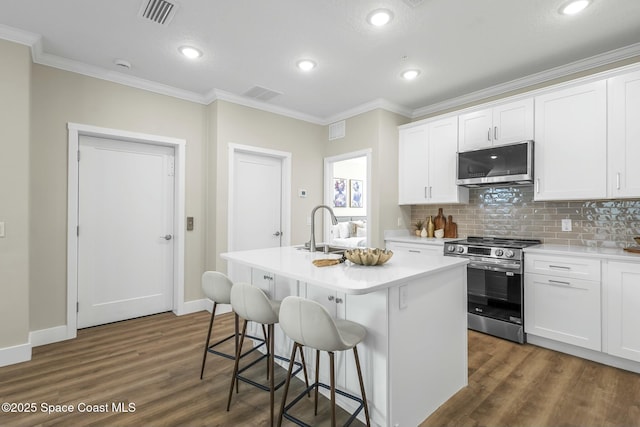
point(509, 164)
point(494, 283)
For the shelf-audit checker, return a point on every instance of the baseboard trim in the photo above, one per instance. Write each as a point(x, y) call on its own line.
point(15, 354)
point(201, 305)
point(48, 336)
point(584, 353)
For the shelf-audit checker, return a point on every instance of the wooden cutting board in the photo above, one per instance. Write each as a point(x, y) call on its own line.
point(633, 249)
point(451, 228)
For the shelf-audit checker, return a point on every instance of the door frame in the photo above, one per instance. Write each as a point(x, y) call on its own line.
point(328, 187)
point(285, 207)
point(179, 146)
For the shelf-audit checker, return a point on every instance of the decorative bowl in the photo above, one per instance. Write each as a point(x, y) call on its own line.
point(368, 256)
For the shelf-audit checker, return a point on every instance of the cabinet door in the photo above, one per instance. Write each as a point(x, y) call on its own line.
point(624, 135)
point(475, 130)
point(566, 310)
point(414, 249)
point(622, 285)
point(571, 143)
point(513, 122)
point(413, 178)
point(443, 138)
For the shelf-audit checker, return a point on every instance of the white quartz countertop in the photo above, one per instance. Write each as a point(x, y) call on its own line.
point(584, 251)
point(347, 277)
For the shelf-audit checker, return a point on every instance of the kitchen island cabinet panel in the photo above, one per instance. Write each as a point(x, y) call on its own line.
point(622, 284)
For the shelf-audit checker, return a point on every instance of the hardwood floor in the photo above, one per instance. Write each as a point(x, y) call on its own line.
point(154, 364)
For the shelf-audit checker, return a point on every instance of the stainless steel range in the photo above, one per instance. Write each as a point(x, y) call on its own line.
point(494, 283)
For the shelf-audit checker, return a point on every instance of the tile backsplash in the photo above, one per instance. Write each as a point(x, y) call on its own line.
point(511, 212)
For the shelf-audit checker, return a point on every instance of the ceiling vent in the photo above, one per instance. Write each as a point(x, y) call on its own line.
point(158, 11)
point(337, 130)
point(261, 93)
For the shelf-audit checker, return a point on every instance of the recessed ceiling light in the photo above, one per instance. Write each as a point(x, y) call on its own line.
point(574, 7)
point(190, 52)
point(306, 64)
point(410, 74)
point(379, 17)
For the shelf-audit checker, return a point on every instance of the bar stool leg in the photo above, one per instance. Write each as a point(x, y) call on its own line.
point(288, 381)
point(315, 412)
point(304, 370)
point(235, 366)
point(266, 339)
point(333, 388)
point(364, 397)
point(271, 364)
point(206, 346)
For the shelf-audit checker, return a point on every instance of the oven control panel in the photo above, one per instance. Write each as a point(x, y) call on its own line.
point(481, 251)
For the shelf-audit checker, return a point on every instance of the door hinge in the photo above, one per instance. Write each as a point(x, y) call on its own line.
point(172, 166)
point(77, 230)
point(78, 155)
point(77, 307)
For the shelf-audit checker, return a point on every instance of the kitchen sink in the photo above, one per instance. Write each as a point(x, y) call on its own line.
point(339, 250)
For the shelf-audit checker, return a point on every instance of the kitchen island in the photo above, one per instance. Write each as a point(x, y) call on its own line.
point(414, 357)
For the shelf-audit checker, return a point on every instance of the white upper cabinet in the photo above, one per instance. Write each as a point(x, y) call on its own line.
point(502, 124)
point(571, 143)
point(624, 135)
point(427, 164)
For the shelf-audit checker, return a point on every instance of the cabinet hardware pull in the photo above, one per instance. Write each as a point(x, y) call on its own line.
point(430, 192)
point(495, 133)
point(414, 251)
point(267, 277)
point(425, 193)
point(489, 135)
point(562, 267)
point(618, 181)
point(538, 185)
point(558, 282)
point(338, 300)
point(331, 297)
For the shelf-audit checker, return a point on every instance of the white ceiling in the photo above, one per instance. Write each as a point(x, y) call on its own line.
point(461, 46)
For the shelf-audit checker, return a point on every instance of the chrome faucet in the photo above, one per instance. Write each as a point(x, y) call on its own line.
point(334, 221)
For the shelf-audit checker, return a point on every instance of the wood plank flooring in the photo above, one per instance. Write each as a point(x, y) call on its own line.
point(154, 363)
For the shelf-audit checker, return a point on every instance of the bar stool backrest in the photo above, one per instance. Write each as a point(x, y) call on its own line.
point(310, 324)
point(251, 303)
point(217, 287)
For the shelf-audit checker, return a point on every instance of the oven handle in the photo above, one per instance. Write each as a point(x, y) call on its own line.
point(513, 267)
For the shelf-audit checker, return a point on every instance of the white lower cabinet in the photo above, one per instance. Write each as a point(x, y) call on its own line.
point(622, 284)
point(415, 249)
point(563, 303)
point(563, 309)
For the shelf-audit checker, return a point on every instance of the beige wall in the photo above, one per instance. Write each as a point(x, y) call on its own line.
point(15, 71)
point(60, 97)
point(247, 126)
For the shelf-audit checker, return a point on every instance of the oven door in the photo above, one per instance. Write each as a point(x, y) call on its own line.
point(495, 290)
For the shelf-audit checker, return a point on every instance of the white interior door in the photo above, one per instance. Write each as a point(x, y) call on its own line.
point(256, 200)
point(125, 238)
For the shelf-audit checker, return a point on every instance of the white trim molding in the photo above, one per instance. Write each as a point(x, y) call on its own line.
point(179, 145)
point(15, 354)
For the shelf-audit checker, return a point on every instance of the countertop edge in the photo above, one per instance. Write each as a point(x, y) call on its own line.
point(585, 251)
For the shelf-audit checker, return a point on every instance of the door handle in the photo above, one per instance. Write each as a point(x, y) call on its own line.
point(495, 133)
point(277, 233)
point(166, 237)
point(489, 135)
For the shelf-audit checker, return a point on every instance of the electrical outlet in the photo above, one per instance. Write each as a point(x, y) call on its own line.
point(566, 224)
point(189, 223)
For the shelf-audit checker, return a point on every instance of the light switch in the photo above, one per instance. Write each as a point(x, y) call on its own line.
point(189, 223)
point(566, 224)
point(2, 229)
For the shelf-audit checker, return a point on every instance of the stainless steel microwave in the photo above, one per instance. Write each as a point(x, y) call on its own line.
point(509, 164)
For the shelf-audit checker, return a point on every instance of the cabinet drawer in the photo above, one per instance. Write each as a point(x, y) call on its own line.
point(415, 248)
point(570, 267)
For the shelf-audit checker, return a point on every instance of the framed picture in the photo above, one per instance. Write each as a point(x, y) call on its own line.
point(356, 193)
point(340, 193)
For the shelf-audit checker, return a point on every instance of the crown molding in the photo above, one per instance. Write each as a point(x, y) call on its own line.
point(533, 79)
point(18, 36)
point(379, 103)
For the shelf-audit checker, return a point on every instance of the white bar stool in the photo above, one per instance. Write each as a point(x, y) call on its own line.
point(251, 303)
point(309, 324)
point(217, 287)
